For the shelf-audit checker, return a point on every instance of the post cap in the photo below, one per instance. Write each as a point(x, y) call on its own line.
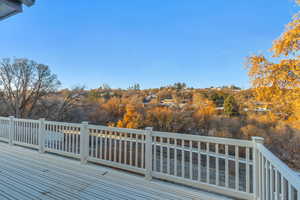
point(42, 119)
point(85, 123)
point(258, 139)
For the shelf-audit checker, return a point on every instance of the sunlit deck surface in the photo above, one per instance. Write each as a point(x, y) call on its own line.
point(27, 174)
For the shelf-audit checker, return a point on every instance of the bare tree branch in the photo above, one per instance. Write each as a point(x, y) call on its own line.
point(23, 83)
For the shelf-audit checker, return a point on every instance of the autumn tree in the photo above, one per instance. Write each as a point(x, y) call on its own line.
point(169, 119)
point(203, 106)
point(160, 118)
point(131, 119)
point(24, 83)
point(114, 108)
point(134, 116)
point(204, 110)
point(276, 81)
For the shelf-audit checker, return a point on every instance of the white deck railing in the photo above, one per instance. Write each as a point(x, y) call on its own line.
point(237, 168)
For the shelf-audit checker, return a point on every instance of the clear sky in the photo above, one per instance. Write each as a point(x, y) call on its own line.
point(151, 42)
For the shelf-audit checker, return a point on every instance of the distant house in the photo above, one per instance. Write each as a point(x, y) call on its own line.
point(12, 7)
point(148, 98)
point(261, 109)
point(167, 102)
point(220, 108)
point(246, 109)
point(261, 106)
point(170, 102)
point(231, 87)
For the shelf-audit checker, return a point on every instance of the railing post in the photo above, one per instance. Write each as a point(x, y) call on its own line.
point(11, 130)
point(84, 142)
point(148, 153)
point(256, 167)
point(42, 135)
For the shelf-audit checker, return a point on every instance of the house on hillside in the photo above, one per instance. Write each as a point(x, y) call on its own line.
point(148, 98)
point(167, 102)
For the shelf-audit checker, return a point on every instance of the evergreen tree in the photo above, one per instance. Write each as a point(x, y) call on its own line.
point(230, 106)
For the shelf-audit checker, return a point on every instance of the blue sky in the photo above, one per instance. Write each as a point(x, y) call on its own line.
point(153, 42)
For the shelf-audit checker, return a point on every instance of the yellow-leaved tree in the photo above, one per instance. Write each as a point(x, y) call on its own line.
point(276, 80)
point(204, 107)
point(132, 118)
point(204, 111)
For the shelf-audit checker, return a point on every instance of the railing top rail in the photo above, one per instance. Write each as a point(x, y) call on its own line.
point(287, 172)
point(25, 120)
point(114, 129)
point(77, 125)
point(4, 118)
point(244, 143)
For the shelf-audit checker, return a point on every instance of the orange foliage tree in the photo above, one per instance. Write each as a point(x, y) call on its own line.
point(132, 118)
point(204, 110)
point(277, 82)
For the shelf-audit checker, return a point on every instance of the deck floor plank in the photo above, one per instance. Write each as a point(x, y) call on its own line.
point(26, 174)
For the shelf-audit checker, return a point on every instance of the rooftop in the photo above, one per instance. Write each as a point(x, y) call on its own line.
point(12, 7)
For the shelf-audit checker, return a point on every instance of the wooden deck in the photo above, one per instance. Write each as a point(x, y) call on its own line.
point(26, 174)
